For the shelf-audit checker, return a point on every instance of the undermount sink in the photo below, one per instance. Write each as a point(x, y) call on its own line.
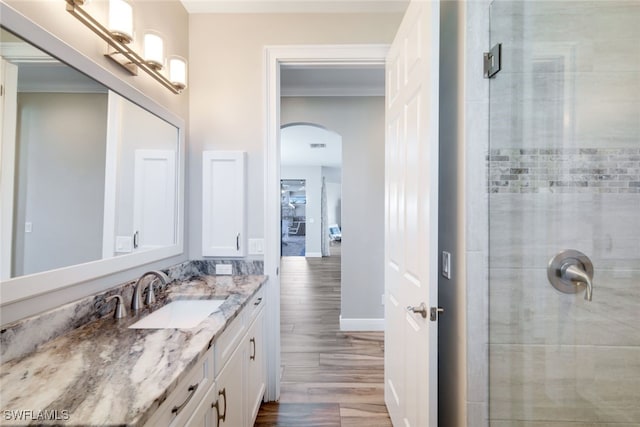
point(180, 314)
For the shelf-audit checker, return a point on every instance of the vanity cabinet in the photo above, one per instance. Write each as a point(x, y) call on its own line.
point(182, 401)
point(223, 203)
point(233, 400)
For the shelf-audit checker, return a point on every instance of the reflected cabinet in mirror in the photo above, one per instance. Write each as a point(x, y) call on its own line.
point(87, 176)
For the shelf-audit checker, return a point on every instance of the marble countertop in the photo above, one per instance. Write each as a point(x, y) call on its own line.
point(107, 374)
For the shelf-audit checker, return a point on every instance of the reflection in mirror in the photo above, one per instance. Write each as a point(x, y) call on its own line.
point(85, 174)
point(144, 161)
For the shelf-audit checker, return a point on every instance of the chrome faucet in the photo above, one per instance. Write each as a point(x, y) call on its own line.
point(136, 300)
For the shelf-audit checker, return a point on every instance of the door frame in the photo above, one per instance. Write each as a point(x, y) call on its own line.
point(274, 57)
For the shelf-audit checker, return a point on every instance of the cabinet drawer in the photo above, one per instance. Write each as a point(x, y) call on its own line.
point(228, 341)
point(183, 400)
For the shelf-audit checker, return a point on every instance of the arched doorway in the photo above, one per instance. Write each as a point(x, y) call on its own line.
point(310, 199)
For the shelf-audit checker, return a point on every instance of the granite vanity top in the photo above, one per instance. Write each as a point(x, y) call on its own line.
point(107, 374)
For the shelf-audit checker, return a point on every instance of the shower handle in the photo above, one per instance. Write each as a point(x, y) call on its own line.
point(568, 270)
point(578, 275)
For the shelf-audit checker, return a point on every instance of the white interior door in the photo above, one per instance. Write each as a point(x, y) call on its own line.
point(411, 223)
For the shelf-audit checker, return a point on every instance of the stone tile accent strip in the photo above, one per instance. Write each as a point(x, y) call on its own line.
point(564, 170)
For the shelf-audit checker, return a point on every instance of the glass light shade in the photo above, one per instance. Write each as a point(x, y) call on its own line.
point(121, 20)
point(153, 50)
point(178, 72)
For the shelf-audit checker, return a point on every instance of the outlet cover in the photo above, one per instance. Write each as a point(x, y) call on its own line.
point(224, 269)
point(446, 264)
point(256, 246)
point(124, 244)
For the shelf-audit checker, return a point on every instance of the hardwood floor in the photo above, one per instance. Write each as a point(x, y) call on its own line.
point(329, 378)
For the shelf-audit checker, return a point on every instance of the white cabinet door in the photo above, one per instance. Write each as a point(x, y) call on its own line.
point(229, 407)
point(223, 203)
point(154, 206)
point(257, 367)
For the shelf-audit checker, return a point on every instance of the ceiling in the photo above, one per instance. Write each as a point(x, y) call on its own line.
point(295, 6)
point(332, 80)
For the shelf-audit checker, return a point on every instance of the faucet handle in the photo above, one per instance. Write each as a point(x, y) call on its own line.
point(568, 270)
point(120, 310)
point(151, 296)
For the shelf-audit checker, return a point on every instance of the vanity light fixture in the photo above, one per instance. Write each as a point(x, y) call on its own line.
point(119, 36)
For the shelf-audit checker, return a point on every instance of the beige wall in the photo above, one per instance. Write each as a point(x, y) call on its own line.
point(228, 84)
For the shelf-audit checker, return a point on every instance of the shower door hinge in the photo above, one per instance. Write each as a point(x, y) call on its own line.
point(493, 61)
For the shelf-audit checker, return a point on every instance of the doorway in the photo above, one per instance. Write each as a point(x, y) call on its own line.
point(310, 171)
point(293, 201)
point(276, 58)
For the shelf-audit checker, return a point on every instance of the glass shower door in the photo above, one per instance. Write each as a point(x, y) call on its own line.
point(564, 174)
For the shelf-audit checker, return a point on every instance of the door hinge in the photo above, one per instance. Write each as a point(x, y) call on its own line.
point(1, 90)
point(493, 61)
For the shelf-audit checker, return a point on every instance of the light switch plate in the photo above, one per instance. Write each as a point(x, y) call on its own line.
point(224, 269)
point(446, 264)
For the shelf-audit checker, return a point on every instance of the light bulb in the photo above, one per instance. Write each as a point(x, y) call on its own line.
point(121, 20)
point(178, 72)
point(153, 50)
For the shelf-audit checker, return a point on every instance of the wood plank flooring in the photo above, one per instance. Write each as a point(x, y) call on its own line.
point(329, 378)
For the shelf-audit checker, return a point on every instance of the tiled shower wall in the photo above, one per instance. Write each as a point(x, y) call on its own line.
point(564, 173)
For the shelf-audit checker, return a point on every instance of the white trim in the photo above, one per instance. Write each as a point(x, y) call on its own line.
point(8, 128)
point(332, 91)
point(361, 324)
point(305, 6)
point(313, 254)
point(274, 57)
point(114, 112)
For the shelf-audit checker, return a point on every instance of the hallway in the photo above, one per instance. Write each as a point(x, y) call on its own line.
point(329, 378)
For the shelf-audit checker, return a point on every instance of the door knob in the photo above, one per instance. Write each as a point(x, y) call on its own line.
point(421, 309)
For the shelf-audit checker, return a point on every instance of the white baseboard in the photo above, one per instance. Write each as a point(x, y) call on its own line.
point(361, 324)
point(313, 254)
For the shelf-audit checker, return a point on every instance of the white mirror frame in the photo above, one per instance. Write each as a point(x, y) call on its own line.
point(24, 287)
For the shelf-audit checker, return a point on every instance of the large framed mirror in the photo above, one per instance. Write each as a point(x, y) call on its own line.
point(91, 170)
